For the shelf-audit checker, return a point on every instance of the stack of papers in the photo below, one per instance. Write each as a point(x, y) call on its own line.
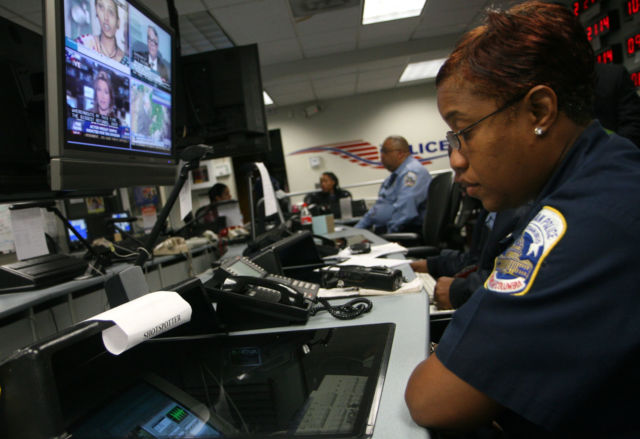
point(415, 286)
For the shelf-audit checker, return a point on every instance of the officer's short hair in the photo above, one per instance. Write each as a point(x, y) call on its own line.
point(400, 143)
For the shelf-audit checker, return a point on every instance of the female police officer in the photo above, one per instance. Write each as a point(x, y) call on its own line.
point(550, 345)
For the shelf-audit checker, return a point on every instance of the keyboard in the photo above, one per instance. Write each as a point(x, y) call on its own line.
point(333, 407)
point(39, 272)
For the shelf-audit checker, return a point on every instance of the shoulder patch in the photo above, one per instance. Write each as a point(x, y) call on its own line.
point(516, 268)
point(410, 179)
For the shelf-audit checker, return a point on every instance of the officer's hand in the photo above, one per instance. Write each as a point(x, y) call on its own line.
point(441, 292)
point(420, 266)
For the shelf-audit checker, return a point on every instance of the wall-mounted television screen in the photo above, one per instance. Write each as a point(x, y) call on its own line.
point(109, 69)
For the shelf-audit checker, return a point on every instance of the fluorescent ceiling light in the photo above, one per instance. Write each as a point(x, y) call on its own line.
point(422, 70)
point(267, 98)
point(376, 11)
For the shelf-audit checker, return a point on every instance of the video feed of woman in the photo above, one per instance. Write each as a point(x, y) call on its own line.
point(117, 78)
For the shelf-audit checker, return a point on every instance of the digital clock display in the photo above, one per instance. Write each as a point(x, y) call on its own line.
point(610, 55)
point(579, 7)
point(633, 45)
point(631, 8)
point(635, 78)
point(602, 26)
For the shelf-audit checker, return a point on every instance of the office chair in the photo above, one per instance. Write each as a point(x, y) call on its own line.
point(440, 213)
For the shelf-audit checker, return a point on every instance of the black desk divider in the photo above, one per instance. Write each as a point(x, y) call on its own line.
point(257, 385)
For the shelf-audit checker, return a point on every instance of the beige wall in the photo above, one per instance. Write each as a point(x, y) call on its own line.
point(408, 111)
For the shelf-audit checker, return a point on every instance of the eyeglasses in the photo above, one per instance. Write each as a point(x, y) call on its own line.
point(454, 137)
point(152, 41)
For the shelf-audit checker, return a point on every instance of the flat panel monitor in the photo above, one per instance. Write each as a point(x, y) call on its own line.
point(109, 71)
point(80, 224)
point(224, 104)
point(321, 383)
point(125, 225)
point(295, 256)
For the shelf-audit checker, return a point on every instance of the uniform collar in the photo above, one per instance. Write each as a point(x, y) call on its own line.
point(403, 165)
point(573, 158)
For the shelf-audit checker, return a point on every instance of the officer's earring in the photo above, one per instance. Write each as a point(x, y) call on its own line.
point(538, 131)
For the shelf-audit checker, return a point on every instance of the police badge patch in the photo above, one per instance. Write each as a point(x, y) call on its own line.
point(517, 267)
point(410, 179)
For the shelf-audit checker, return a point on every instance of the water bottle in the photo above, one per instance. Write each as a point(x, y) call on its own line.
point(305, 217)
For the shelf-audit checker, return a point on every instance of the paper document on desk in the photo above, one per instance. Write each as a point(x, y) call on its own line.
point(231, 211)
point(28, 233)
point(143, 318)
point(377, 250)
point(368, 261)
point(413, 286)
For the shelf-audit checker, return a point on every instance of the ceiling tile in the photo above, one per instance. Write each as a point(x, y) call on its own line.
point(342, 81)
point(273, 52)
point(385, 33)
point(326, 39)
point(329, 50)
point(256, 22)
point(392, 74)
point(329, 21)
point(320, 74)
point(211, 4)
point(288, 80)
point(290, 88)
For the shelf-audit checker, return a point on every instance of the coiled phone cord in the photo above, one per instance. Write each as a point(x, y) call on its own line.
point(347, 311)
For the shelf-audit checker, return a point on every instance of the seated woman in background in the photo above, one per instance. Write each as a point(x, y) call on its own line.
point(327, 200)
point(218, 192)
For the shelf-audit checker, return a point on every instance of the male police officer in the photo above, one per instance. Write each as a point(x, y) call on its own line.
point(402, 197)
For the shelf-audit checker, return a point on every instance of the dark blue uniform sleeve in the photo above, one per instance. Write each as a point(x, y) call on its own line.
point(547, 330)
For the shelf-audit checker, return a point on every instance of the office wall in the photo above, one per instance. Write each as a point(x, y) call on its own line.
point(408, 111)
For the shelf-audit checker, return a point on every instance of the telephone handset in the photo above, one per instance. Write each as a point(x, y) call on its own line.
point(247, 285)
point(265, 289)
point(242, 266)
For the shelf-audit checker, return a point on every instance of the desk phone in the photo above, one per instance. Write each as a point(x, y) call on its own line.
point(242, 267)
point(247, 285)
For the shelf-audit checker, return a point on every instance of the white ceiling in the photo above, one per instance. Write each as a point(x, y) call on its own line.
point(320, 56)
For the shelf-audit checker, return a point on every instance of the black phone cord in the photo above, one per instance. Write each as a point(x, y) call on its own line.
point(347, 311)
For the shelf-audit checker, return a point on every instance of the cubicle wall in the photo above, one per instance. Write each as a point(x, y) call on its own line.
point(25, 325)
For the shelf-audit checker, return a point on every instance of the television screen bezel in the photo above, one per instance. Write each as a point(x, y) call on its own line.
point(71, 168)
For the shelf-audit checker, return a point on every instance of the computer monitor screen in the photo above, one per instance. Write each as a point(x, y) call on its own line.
point(110, 94)
point(162, 415)
point(125, 225)
point(297, 384)
point(80, 224)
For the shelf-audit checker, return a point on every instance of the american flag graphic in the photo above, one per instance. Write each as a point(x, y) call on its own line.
point(360, 152)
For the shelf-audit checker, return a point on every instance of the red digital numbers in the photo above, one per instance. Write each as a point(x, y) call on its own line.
point(605, 57)
point(602, 26)
point(610, 55)
point(631, 7)
point(633, 44)
point(635, 78)
point(580, 6)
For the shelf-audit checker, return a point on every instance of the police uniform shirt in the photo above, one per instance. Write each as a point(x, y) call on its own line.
point(402, 198)
point(554, 333)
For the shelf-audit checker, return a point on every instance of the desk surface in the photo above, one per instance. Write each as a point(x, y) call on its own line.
point(410, 314)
